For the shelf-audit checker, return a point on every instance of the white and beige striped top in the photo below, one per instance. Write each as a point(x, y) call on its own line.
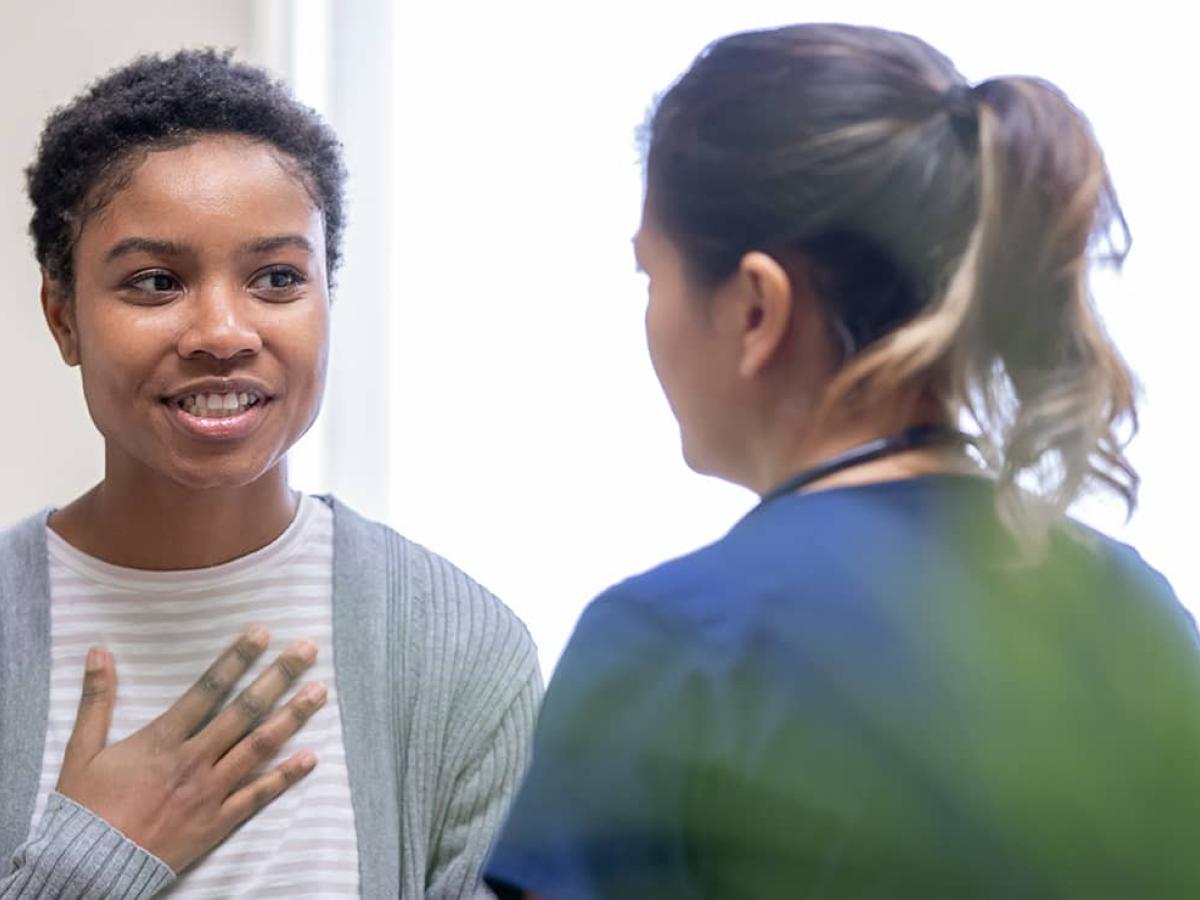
point(164, 629)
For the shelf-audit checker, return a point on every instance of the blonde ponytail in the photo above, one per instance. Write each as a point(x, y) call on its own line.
point(1014, 341)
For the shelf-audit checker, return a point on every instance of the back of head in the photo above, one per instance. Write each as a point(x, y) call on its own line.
point(949, 230)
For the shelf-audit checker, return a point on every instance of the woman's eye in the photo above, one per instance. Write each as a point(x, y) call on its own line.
point(155, 283)
point(277, 281)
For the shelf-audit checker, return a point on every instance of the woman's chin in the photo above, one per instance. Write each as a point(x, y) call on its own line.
point(214, 474)
point(218, 482)
point(695, 459)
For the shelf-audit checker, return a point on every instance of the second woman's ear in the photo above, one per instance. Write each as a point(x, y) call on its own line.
point(59, 309)
point(766, 306)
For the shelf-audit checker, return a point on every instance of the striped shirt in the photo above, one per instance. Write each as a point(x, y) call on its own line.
point(164, 629)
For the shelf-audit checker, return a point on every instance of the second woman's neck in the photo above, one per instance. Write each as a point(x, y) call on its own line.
point(153, 523)
point(792, 447)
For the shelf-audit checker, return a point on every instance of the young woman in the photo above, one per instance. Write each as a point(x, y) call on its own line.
point(188, 218)
point(905, 673)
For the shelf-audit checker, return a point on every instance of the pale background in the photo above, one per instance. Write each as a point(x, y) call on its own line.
point(491, 395)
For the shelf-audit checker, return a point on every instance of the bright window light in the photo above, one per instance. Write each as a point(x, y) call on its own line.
point(527, 437)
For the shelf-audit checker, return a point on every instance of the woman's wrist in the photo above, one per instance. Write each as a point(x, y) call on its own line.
point(76, 853)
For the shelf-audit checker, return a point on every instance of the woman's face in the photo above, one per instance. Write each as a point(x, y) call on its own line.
point(692, 357)
point(200, 315)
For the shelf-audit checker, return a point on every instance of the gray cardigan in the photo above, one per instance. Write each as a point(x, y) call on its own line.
point(438, 685)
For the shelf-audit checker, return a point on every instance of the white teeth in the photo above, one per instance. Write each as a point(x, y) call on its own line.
point(218, 406)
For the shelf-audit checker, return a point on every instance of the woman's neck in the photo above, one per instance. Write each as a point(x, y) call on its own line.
point(790, 451)
point(156, 524)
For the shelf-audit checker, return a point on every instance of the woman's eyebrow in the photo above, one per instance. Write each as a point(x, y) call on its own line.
point(144, 245)
point(269, 244)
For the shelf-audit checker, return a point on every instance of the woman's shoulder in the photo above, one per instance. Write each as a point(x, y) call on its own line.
point(23, 550)
point(1118, 580)
point(676, 602)
point(25, 532)
point(411, 590)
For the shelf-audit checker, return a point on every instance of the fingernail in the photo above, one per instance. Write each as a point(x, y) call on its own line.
point(258, 636)
point(95, 659)
point(306, 650)
point(314, 693)
point(307, 760)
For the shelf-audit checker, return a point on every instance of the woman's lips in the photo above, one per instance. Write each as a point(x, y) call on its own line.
point(224, 428)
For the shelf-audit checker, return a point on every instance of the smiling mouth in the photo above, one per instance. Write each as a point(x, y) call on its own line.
point(218, 406)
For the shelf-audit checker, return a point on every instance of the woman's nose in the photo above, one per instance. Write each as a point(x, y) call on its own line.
point(220, 326)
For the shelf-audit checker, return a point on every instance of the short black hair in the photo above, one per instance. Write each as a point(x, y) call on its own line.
point(156, 102)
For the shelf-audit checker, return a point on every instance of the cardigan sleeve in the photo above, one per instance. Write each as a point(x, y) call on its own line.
point(480, 799)
point(75, 855)
point(478, 700)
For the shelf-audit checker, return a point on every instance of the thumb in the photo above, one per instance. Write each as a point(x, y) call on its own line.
point(90, 733)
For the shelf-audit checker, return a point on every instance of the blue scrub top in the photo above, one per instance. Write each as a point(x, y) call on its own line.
point(863, 692)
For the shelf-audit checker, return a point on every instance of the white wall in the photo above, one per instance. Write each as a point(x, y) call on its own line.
point(50, 49)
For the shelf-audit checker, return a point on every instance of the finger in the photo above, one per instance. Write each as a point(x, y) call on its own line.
point(253, 704)
point(261, 745)
point(190, 711)
point(247, 801)
point(96, 702)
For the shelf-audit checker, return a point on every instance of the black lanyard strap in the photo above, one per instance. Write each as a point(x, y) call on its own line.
point(911, 439)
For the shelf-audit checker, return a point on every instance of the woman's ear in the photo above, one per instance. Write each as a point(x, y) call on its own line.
point(766, 306)
point(59, 309)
